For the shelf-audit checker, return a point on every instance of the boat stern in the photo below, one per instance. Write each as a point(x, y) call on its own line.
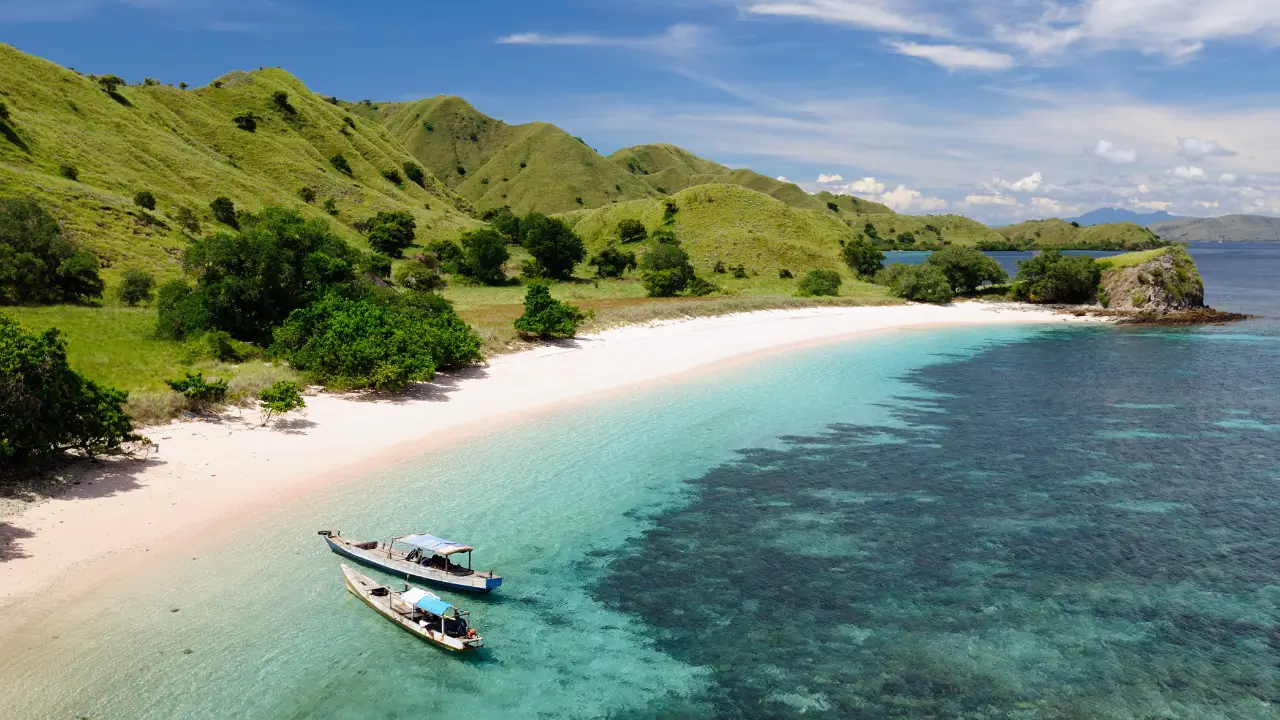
point(492, 583)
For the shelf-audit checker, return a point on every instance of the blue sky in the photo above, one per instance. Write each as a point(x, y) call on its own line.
point(997, 109)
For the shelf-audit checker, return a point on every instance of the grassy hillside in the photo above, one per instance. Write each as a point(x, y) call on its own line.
point(529, 167)
point(183, 146)
point(954, 229)
point(848, 203)
point(729, 223)
point(1061, 232)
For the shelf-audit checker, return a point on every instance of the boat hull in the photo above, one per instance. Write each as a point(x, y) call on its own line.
point(360, 585)
point(474, 583)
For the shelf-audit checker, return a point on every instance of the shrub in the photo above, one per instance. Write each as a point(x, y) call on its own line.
point(331, 206)
point(666, 270)
point(577, 199)
point(340, 163)
point(817, 283)
point(631, 230)
point(200, 394)
point(391, 232)
point(554, 246)
point(833, 207)
point(136, 286)
point(612, 262)
point(4, 112)
point(967, 269)
point(698, 287)
point(283, 397)
point(224, 211)
point(462, 170)
point(110, 83)
point(1051, 277)
point(188, 220)
point(307, 194)
point(785, 274)
point(246, 121)
point(183, 85)
point(448, 254)
point(145, 200)
point(923, 283)
point(377, 265)
point(665, 236)
point(280, 99)
point(178, 313)
point(669, 212)
point(70, 172)
point(422, 274)
point(484, 253)
point(47, 409)
point(38, 264)
point(546, 317)
point(505, 222)
point(739, 272)
point(863, 258)
point(870, 231)
point(220, 346)
point(415, 174)
point(393, 176)
point(720, 268)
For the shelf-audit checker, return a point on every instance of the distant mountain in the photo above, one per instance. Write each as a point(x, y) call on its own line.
point(1233, 228)
point(1107, 216)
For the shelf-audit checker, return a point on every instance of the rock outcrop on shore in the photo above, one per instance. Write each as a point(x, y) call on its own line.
point(1163, 287)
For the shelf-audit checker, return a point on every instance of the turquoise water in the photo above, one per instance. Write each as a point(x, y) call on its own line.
point(978, 523)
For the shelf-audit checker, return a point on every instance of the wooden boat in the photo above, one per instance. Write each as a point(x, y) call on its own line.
point(416, 611)
point(416, 557)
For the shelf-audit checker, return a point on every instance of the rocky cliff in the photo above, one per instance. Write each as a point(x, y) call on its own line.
point(1162, 281)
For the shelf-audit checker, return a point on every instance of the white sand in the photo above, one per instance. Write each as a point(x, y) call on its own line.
point(207, 475)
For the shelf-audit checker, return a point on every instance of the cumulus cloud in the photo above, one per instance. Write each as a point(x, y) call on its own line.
point(825, 178)
point(1109, 152)
point(1030, 183)
point(956, 57)
point(904, 199)
point(1227, 178)
point(865, 186)
point(783, 178)
point(1194, 148)
point(1188, 172)
point(1046, 204)
point(990, 200)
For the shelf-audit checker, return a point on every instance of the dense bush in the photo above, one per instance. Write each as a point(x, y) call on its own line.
point(421, 274)
point(39, 265)
point(145, 200)
point(484, 253)
point(340, 163)
point(817, 283)
point(1051, 277)
point(967, 269)
point(631, 230)
point(377, 265)
point(393, 176)
point(70, 172)
point(4, 112)
point(224, 211)
point(307, 194)
point(505, 222)
point(612, 262)
point(863, 258)
point(546, 317)
point(664, 236)
point(248, 282)
point(555, 248)
point(922, 283)
point(415, 174)
point(449, 254)
point(280, 99)
point(282, 397)
point(46, 408)
point(391, 232)
point(188, 220)
point(136, 286)
point(666, 270)
point(200, 394)
point(246, 121)
point(331, 206)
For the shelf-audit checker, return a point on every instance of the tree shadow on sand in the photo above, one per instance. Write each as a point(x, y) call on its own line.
point(435, 391)
point(10, 542)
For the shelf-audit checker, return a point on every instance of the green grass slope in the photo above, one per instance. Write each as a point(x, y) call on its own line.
point(183, 146)
point(1061, 232)
point(529, 167)
point(729, 223)
point(848, 203)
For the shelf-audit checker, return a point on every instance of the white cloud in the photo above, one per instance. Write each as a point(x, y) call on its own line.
point(904, 199)
point(782, 178)
point(1143, 189)
point(1030, 183)
point(879, 15)
point(677, 40)
point(865, 186)
point(956, 57)
point(1109, 152)
point(1188, 172)
point(1046, 204)
point(1194, 148)
point(825, 178)
point(990, 200)
point(1208, 205)
point(1150, 204)
point(1227, 178)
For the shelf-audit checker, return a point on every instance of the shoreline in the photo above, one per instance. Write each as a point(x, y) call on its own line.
point(208, 477)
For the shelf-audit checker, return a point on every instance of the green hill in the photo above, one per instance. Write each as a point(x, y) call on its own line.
point(1060, 232)
point(728, 223)
point(670, 169)
point(848, 203)
point(529, 167)
point(185, 148)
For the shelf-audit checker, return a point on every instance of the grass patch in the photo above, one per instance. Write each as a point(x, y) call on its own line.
point(1131, 259)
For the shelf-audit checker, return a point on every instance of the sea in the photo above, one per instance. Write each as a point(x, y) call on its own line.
point(988, 522)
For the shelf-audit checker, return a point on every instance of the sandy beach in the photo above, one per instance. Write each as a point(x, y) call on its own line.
point(206, 477)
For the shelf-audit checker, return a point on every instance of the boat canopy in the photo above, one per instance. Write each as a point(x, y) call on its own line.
point(426, 601)
point(436, 545)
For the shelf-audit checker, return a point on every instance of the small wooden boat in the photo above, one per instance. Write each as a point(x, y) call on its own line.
point(417, 611)
point(416, 557)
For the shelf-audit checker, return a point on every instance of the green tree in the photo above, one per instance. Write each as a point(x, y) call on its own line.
point(145, 200)
point(136, 286)
point(967, 269)
point(817, 283)
point(47, 409)
point(421, 274)
point(246, 121)
point(377, 265)
point(340, 163)
point(391, 232)
point(415, 174)
point(39, 265)
point(666, 270)
point(631, 230)
point(283, 397)
point(280, 99)
point(224, 211)
point(393, 176)
point(188, 220)
point(505, 222)
point(110, 83)
point(922, 283)
point(449, 254)
point(546, 317)
point(69, 171)
point(863, 258)
point(308, 194)
point(484, 253)
point(555, 248)
point(1051, 277)
point(612, 262)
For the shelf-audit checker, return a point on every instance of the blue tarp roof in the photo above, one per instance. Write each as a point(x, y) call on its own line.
point(434, 605)
point(439, 546)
